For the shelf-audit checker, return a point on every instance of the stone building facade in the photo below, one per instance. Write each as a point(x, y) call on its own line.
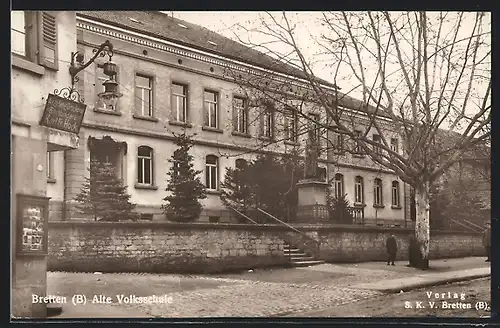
point(171, 75)
point(42, 42)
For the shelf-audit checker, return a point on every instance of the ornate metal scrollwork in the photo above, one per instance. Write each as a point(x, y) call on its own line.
point(77, 64)
point(69, 93)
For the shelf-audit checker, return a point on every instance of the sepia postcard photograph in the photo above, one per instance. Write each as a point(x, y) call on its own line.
point(229, 164)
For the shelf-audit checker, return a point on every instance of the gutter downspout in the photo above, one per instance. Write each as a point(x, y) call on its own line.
point(63, 216)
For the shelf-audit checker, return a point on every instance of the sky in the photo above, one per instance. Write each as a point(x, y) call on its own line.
point(307, 25)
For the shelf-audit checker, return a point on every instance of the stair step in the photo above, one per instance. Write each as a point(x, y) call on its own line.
point(305, 263)
point(302, 258)
point(295, 254)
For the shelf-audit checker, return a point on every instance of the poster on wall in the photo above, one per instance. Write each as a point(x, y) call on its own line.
point(32, 225)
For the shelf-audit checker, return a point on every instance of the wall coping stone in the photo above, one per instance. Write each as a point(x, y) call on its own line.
point(242, 226)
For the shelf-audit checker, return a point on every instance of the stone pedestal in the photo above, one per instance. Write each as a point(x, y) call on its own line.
point(312, 201)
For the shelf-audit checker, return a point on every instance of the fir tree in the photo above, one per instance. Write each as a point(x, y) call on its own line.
point(104, 196)
point(339, 209)
point(235, 190)
point(184, 185)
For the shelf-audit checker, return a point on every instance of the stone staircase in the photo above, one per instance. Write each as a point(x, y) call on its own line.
point(298, 258)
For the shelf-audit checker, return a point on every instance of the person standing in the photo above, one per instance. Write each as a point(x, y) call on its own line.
point(487, 241)
point(392, 247)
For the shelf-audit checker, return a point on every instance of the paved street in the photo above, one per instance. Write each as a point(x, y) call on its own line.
point(277, 292)
point(393, 305)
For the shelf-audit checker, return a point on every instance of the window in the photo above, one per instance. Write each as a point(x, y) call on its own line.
point(357, 144)
point(145, 165)
point(177, 166)
point(394, 145)
point(144, 95)
point(240, 111)
point(266, 123)
point(377, 193)
point(395, 194)
point(322, 176)
point(313, 127)
point(34, 37)
point(338, 186)
point(378, 139)
point(358, 190)
point(290, 125)
point(211, 170)
point(50, 166)
point(211, 107)
point(338, 140)
point(179, 102)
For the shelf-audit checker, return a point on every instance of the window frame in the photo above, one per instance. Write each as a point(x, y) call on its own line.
point(50, 167)
point(207, 109)
point(395, 145)
point(240, 124)
point(359, 190)
point(338, 185)
point(142, 159)
point(395, 194)
point(357, 144)
point(378, 198)
point(140, 111)
point(377, 149)
point(38, 36)
point(267, 123)
point(209, 167)
point(177, 96)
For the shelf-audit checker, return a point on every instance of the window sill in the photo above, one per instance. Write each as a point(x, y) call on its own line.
point(378, 206)
point(182, 124)
point(211, 129)
point(145, 118)
point(241, 134)
point(145, 186)
point(213, 192)
point(291, 143)
point(26, 65)
point(358, 155)
point(396, 207)
point(107, 111)
point(359, 205)
point(51, 180)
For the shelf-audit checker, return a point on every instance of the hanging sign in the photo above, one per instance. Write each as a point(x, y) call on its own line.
point(63, 114)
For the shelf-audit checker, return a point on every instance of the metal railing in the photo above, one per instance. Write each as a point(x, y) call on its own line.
point(317, 243)
point(242, 215)
point(466, 226)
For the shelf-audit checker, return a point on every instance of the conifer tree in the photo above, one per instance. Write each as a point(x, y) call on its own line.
point(338, 208)
point(103, 194)
point(184, 185)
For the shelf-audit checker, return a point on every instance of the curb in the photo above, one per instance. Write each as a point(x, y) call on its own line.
point(434, 283)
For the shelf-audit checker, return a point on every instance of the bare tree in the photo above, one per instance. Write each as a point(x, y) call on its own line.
point(424, 77)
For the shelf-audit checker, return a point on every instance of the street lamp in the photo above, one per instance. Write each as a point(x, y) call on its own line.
point(110, 95)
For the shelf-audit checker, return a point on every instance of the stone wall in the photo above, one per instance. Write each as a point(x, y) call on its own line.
point(161, 247)
point(202, 247)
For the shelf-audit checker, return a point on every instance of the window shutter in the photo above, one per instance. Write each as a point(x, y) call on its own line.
point(47, 40)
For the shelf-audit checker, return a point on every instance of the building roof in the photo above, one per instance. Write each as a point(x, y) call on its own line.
point(158, 24)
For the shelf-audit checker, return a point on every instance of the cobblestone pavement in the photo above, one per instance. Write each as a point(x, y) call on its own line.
point(276, 292)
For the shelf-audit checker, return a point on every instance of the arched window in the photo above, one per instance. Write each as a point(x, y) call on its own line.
point(395, 194)
point(145, 165)
point(377, 193)
point(358, 190)
point(211, 172)
point(338, 185)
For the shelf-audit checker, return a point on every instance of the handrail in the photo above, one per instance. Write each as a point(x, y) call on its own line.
point(463, 225)
point(243, 215)
point(289, 226)
point(475, 225)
